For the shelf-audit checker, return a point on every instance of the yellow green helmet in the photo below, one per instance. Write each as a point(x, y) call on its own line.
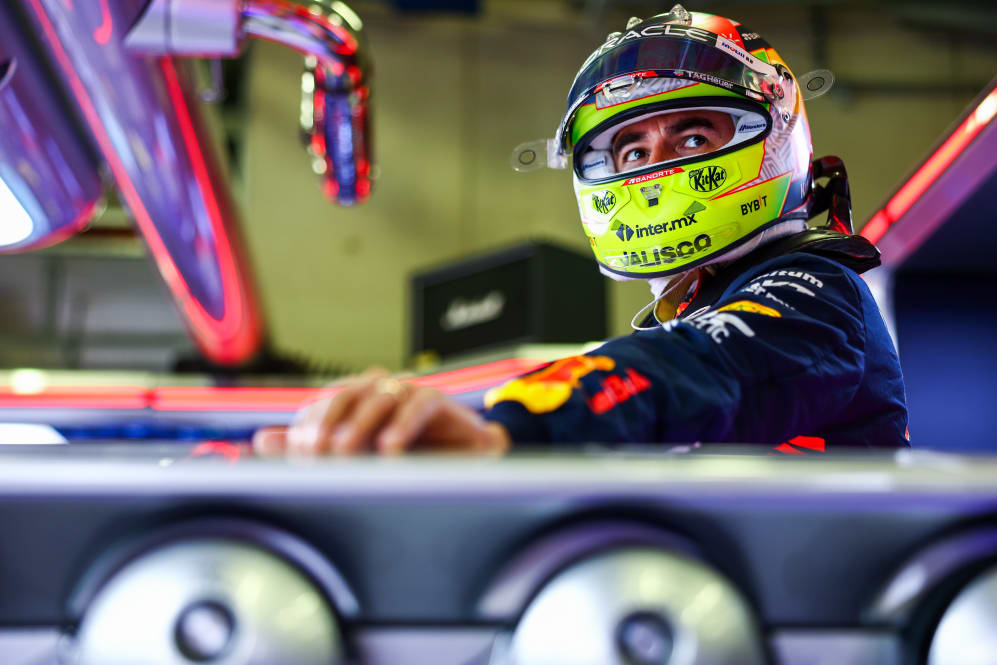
point(687, 136)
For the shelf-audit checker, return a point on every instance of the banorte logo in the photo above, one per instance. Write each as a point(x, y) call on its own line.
point(708, 178)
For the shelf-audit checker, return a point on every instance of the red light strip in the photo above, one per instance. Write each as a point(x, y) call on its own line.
point(209, 332)
point(117, 397)
point(454, 382)
point(236, 336)
point(932, 168)
point(231, 399)
point(468, 379)
point(208, 398)
point(876, 227)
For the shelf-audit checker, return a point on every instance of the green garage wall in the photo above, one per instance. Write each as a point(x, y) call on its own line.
point(454, 95)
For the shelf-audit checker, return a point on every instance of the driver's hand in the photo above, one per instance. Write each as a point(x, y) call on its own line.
point(373, 412)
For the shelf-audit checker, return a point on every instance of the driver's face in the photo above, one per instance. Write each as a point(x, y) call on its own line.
point(670, 136)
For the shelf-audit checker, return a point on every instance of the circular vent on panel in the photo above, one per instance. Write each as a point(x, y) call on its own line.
point(967, 631)
point(943, 600)
point(210, 599)
point(621, 595)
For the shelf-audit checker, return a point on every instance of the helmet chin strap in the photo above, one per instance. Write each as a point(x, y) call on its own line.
point(674, 288)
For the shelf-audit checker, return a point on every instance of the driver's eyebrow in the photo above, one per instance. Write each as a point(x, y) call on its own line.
point(682, 125)
point(627, 138)
point(690, 123)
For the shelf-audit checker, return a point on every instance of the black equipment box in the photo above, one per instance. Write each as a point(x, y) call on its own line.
point(530, 293)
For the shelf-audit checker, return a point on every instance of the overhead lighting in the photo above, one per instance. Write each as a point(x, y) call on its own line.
point(932, 168)
point(28, 381)
point(15, 222)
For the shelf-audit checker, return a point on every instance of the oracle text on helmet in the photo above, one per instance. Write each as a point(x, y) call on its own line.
point(655, 30)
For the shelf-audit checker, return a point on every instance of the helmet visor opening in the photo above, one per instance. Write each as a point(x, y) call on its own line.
point(709, 58)
point(630, 144)
point(663, 54)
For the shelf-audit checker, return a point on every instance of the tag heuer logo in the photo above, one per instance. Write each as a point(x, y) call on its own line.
point(603, 202)
point(707, 178)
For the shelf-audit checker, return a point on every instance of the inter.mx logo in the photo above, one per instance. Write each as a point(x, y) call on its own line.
point(625, 232)
point(707, 178)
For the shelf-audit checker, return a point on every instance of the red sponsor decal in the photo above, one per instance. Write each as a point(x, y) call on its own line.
point(651, 176)
point(799, 445)
point(719, 25)
point(810, 443)
point(618, 389)
point(648, 74)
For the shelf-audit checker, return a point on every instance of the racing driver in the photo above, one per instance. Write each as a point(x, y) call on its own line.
point(693, 168)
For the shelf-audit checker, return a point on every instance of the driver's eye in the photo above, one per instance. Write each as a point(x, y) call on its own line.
point(635, 155)
point(694, 141)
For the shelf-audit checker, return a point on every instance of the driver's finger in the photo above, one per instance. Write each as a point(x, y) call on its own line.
point(270, 441)
point(356, 432)
point(313, 429)
point(409, 421)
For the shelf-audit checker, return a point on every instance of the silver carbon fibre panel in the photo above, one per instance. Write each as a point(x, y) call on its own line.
point(138, 471)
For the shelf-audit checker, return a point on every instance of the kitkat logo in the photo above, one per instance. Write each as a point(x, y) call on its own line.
point(603, 202)
point(664, 173)
point(708, 178)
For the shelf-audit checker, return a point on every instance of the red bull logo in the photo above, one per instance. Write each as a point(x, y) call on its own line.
point(618, 389)
point(546, 390)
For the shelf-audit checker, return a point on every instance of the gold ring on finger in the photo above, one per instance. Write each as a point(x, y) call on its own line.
point(389, 386)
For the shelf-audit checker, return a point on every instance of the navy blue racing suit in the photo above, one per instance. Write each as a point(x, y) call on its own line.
point(792, 353)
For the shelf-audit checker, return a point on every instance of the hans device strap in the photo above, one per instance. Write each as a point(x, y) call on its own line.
point(851, 251)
